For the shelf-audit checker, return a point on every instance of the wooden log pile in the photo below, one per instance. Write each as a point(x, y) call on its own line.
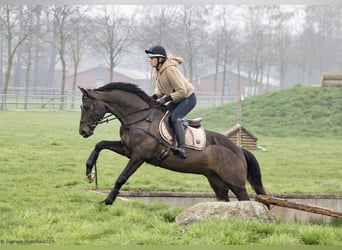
point(300, 206)
point(331, 79)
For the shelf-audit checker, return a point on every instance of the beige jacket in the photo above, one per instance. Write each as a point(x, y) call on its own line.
point(171, 82)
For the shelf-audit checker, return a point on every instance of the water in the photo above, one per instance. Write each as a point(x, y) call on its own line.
point(185, 200)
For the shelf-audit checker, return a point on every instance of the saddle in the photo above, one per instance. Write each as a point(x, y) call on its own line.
point(194, 133)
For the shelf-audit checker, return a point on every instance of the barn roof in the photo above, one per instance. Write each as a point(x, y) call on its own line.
point(235, 129)
point(129, 73)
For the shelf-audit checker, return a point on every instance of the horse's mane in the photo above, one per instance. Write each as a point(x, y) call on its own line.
point(128, 87)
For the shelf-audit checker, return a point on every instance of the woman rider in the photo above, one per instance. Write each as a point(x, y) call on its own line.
point(173, 89)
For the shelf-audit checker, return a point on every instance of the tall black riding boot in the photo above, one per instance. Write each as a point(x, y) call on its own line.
point(180, 137)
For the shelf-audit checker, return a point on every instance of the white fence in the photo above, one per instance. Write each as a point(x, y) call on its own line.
point(50, 99)
point(40, 99)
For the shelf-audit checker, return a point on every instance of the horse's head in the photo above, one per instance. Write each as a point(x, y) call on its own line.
point(92, 111)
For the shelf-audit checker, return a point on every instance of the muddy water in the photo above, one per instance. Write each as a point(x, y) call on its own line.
point(185, 200)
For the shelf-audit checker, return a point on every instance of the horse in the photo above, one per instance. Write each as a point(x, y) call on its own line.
point(225, 165)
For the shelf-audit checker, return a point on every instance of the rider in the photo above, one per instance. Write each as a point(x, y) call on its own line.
point(175, 90)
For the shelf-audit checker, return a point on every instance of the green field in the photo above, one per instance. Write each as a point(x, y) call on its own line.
point(44, 195)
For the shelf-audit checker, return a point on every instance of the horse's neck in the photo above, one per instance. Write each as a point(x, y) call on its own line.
point(121, 104)
point(130, 108)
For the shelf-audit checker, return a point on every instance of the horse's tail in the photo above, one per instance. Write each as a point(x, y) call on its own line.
point(253, 172)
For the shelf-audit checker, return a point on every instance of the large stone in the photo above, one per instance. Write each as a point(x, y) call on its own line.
point(250, 210)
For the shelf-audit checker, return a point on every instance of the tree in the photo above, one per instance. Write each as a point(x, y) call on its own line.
point(62, 16)
point(112, 36)
point(28, 56)
point(190, 36)
point(220, 48)
point(159, 31)
point(161, 26)
point(283, 40)
point(324, 23)
point(213, 52)
point(254, 45)
point(78, 42)
point(9, 19)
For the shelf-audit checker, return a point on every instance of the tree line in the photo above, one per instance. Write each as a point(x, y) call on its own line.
point(293, 44)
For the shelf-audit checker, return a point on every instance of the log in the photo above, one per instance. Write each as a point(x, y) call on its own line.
point(331, 79)
point(331, 76)
point(332, 82)
point(300, 206)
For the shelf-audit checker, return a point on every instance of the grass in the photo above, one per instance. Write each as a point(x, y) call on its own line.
point(44, 196)
point(296, 112)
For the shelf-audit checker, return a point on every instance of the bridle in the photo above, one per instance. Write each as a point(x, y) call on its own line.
point(95, 117)
point(110, 117)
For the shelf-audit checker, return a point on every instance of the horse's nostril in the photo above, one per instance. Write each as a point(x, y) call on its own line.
point(85, 133)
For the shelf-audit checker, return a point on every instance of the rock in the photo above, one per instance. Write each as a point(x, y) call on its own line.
point(250, 210)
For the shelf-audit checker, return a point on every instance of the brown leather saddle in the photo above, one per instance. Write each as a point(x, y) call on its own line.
point(194, 132)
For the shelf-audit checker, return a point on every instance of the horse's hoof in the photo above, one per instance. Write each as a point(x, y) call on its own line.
point(91, 177)
point(106, 202)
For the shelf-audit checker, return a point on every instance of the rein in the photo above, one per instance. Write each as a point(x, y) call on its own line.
point(106, 120)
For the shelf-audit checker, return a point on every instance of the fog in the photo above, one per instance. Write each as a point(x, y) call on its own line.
point(271, 45)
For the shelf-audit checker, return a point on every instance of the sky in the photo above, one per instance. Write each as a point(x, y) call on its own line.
point(173, 2)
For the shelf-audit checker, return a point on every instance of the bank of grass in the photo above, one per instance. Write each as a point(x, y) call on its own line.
point(44, 196)
point(296, 112)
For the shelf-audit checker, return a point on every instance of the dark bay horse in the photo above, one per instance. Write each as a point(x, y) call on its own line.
point(225, 165)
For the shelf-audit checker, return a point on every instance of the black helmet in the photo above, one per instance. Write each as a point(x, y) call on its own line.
point(156, 51)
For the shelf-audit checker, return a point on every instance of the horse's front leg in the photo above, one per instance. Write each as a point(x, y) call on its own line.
point(115, 146)
point(132, 165)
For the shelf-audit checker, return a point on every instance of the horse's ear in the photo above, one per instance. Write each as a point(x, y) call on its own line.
point(83, 90)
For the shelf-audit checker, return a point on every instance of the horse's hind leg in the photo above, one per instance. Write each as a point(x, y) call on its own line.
point(240, 192)
point(219, 187)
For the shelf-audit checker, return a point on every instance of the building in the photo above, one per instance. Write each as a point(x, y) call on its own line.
point(235, 85)
point(99, 76)
point(206, 90)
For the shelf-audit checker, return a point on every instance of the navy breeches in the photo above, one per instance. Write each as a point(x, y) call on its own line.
point(181, 109)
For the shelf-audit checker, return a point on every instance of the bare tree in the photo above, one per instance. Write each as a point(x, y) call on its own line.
point(112, 35)
point(190, 36)
point(78, 42)
point(28, 56)
point(9, 19)
point(254, 46)
point(283, 40)
point(157, 24)
point(220, 48)
point(323, 23)
point(213, 52)
point(226, 48)
point(156, 27)
point(63, 15)
point(269, 42)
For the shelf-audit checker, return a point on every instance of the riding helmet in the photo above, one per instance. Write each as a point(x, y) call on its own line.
point(156, 51)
